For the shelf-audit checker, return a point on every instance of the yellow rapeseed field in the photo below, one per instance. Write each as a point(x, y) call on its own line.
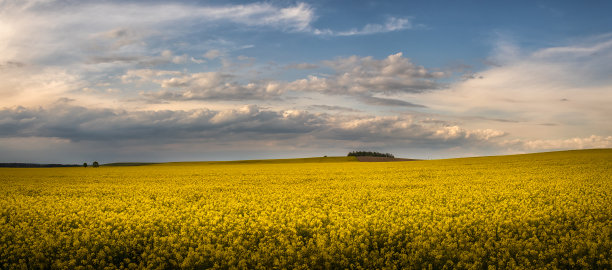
point(548, 210)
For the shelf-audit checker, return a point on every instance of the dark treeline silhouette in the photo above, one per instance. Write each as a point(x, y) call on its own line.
point(369, 154)
point(35, 165)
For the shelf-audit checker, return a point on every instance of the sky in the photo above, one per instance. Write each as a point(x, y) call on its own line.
point(157, 81)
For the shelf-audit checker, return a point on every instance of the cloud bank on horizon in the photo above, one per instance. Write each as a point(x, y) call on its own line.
point(163, 81)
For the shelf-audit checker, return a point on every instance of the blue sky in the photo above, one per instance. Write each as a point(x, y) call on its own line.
point(221, 80)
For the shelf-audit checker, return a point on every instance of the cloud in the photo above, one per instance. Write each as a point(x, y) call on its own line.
point(505, 51)
point(212, 86)
point(165, 57)
point(361, 77)
point(293, 18)
point(35, 85)
point(86, 128)
point(71, 31)
point(302, 66)
point(68, 31)
point(392, 24)
point(575, 51)
point(388, 102)
point(60, 27)
point(333, 108)
point(83, 47)
point(366, 75)
point(11, 65)
point(593, 141)
point(568, 86)
point(137, 71)
point(404, 131)
point(146, 75)
point(196, 60)
point(212, 54)
point(117, 39)
point(76, 123)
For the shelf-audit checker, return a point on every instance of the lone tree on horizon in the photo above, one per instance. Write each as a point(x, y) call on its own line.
point(95, 164)
point(84, 164)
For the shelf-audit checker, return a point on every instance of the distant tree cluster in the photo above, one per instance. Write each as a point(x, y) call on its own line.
point(369, 154)
point(95, 164)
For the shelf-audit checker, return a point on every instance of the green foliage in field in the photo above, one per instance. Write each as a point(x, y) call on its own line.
point(550, 210)
point(369, 154)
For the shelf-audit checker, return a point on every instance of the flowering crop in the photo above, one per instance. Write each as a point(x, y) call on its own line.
point(550, 210)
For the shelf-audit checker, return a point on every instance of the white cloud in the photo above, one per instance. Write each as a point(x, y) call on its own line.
point(392, 24)
point(366, 75)
point(505, 51)
point(146, 75)
point(578, 50)
point(68, 30)
point(29, 86)
point(90, 41)
point(593, 141)
point(197, 61)
point(359, 77)
point(302, 66)
point(180, 59)
point(212, 86)
point(552, 91)
point(34, 31)
point(294, 18)
point(212, 54)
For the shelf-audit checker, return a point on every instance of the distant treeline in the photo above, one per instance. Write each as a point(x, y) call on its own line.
point(35, 165)
point(369, 154)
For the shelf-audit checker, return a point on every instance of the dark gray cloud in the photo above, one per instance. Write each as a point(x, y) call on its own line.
point(333, 108)
point(501, 120)
point(404, 131)
point(389, 102)
point(78, 123)
point(249, 123)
